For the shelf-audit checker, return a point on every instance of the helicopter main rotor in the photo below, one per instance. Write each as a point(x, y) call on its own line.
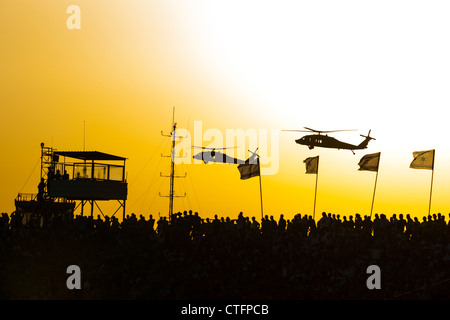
point(213, 150)
point(319, 131)
point(209, 148)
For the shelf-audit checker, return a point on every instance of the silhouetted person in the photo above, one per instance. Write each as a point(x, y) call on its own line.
point(409, 226)
point(41, 190)
point(358, 221)
point(240, 222)
point(401, 223)
point(160, 227)
point(312, 225)
point(50, 174)
point(215, 224)
point(265, 224)
point(367, 225)
point(255, 224)
point(324, 222)
point(65, 175)
point(196, 222)
point(114, 223)
point(151, 223)
point(281, 223)
point(273, 224)
point(347, 224)
point(352, 223)
point(58, 175)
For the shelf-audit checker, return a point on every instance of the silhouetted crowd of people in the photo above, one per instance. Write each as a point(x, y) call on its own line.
point(222, 258)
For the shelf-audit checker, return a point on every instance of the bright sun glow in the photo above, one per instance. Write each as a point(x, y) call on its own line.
point(234, 64)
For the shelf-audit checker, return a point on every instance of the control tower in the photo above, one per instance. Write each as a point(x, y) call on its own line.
point(72, 179)
point(93, 176)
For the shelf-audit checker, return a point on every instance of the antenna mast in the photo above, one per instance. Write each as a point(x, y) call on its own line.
point(84, 135)
point(172, 175)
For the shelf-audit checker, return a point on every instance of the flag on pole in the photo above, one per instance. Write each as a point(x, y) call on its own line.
point(312, 167)
point(312, 164)
point(369, 162)
point(423, 160)
point(249, 170)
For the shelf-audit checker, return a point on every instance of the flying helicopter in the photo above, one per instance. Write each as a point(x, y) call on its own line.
point(211, 155)
point(324, 141)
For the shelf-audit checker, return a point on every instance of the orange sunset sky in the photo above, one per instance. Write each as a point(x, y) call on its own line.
point(262, 65)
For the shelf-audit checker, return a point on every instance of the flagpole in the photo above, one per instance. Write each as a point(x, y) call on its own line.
point(373, 196)
point(431, 187)
point(260, 190)
point(315, 191)
point(375, 186)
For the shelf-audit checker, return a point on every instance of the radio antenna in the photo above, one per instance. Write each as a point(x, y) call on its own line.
point(84, 135)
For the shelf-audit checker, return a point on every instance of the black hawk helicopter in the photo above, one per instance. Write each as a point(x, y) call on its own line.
point(324, 141)
point(211, 155)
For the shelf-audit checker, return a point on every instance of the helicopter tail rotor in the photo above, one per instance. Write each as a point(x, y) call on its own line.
point(368, 136)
